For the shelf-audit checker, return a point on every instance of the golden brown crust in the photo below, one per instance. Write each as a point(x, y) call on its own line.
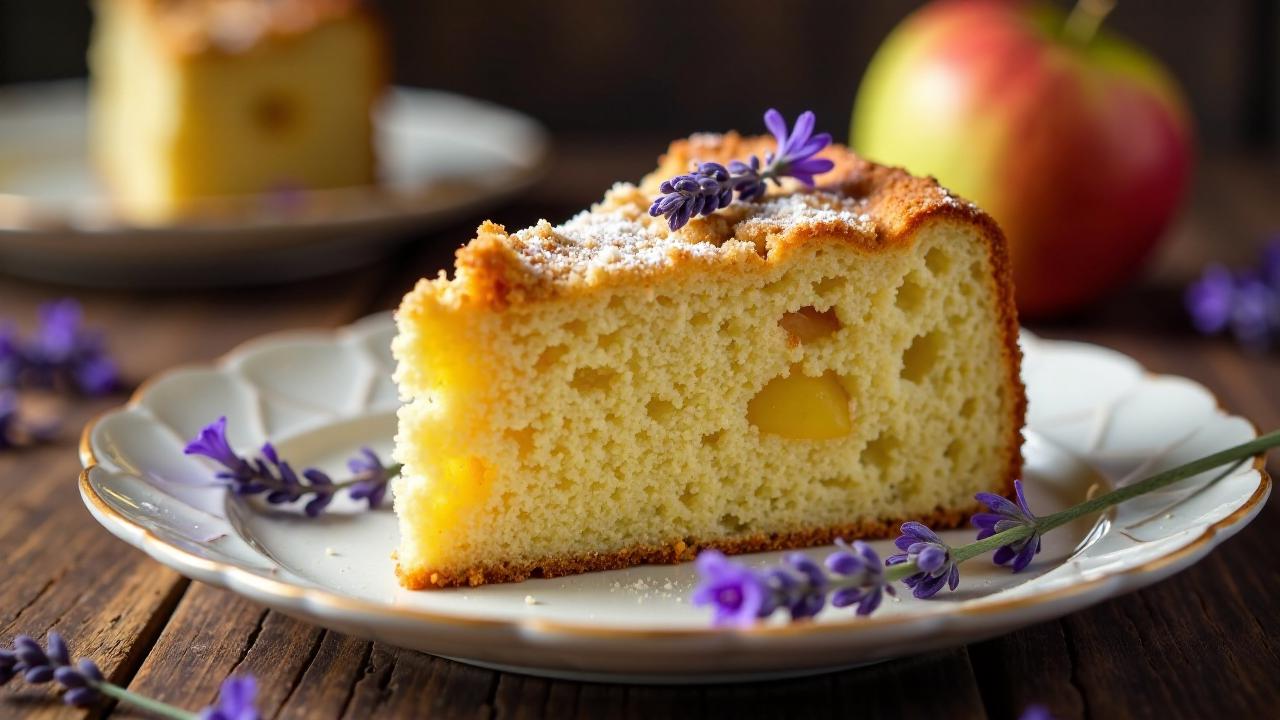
point(872, 206)
point(677, 551)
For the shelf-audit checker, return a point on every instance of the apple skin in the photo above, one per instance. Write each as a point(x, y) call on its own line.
point(1081, 152)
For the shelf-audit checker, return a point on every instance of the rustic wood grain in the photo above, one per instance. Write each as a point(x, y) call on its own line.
point(1203, 643)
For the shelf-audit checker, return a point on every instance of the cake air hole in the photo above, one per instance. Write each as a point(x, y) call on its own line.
point(829, 286)
point(577, 328)
point(807, 324)
point(712, 439)
point(968, 408)
point(611, 340)
point(665, 301)
point(688, 497)
point(660, 410)
point(938, 261)
point(802, 407)
point(588, 379)
point(550, 357)
point(954, 450)
point(777, 286)
point(700, 319)
point(910, 295)
point(879, 452)
point(522, 439)
point(921, 356)
point(732, 523)
point(978, 272)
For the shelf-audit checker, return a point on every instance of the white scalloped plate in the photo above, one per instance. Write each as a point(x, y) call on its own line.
point(1095, 419)
point(440, 155)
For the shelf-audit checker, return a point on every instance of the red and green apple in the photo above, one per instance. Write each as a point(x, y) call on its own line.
point(1076, 141)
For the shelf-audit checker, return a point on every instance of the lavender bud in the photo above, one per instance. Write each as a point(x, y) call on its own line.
point(80, 696)
point(28, 651)
point(58, 649)
point(70, 677)
point(89, 669)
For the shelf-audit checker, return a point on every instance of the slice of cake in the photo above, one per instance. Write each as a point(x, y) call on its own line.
point(816, 364)
point(192, 99)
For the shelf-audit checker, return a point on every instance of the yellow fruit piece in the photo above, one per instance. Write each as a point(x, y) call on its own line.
point(802, 407)
point(465, 485)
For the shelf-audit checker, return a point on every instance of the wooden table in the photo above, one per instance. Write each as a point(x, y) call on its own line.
point(1205, 643)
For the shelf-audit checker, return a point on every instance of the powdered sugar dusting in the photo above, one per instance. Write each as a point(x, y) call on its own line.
point(951, 200)
point(809, 210)
point(599, 241)
point(619, 237)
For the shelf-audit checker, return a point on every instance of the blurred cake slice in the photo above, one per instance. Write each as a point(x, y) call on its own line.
point(192, 99)
point(822, 363)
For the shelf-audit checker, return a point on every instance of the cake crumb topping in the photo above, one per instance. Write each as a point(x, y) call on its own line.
point(617, 240)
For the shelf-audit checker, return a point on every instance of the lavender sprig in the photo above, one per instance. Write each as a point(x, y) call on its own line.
point(740, 595)
point(934, 562)
point(85, 685)
point(63, 353)
point(275, 478)
point(711, 186)
point(1005, 515)
point(1244, 303)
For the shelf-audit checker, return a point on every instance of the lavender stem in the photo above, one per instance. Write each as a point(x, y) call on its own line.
point(151, 705)
point(1238, 454)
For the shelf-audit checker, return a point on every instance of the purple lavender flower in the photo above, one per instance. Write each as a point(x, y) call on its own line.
point(795, 154)
point(39, 665)
point(212, 442)
point(1254, 312)
point(1210, 299)
point(1244, 302)
point(1005, 515)
point(807, 597)
point(274, 476)
point(711, 186)
point(85, 684)
point(864, 574)
point(235, 701)
point(932, 557)
point(742, 596)
point(738, 595)
point(64, 350)
point(368, 470)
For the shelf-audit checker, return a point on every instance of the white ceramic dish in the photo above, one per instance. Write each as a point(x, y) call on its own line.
point(1095, 418)
point(440, 155)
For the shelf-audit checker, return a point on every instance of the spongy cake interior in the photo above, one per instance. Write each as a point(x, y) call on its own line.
point(637, 415)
